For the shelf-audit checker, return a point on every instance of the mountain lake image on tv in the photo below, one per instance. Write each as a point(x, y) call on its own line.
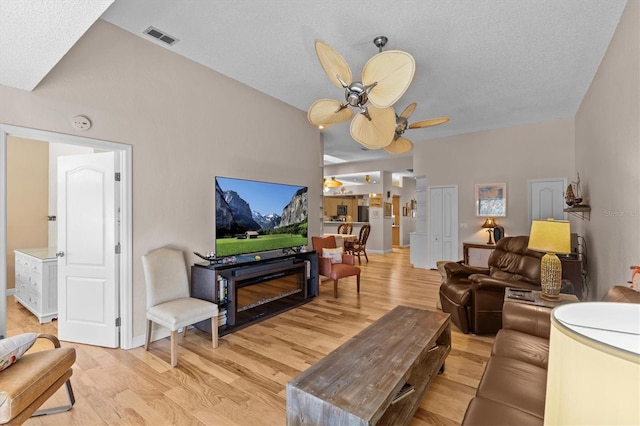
point(254, 216)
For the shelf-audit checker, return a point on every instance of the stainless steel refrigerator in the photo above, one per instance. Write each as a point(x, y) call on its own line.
point(363, 213)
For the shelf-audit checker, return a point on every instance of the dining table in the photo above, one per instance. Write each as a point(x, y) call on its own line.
point(342, 238)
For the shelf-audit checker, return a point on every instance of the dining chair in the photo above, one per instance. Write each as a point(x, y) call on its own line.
point(345, 228)
point(359, 247)
point(333, 262)
point(168, 300)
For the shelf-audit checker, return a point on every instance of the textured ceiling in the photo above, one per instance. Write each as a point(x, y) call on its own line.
point(35, 35)
point(485, 63)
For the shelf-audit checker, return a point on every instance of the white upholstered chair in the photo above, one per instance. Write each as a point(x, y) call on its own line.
point(168, 301)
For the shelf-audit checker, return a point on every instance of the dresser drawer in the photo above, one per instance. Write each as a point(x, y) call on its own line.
point(36, 282)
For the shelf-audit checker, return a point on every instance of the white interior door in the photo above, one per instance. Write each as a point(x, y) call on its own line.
point(546, 199)
point(87, 262)
point(443, 224)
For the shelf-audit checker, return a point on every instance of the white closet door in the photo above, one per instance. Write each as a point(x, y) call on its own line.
point(443, 224)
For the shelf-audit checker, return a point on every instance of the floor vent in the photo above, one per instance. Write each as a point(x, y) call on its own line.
point(160, 35)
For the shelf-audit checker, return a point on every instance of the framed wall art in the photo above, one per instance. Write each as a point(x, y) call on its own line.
point(491, 199)
point(388, 209)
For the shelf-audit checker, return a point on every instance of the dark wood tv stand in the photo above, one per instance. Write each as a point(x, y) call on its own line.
point(207, 281)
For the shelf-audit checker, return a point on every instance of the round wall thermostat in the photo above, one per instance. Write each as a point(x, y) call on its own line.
point(81, 122)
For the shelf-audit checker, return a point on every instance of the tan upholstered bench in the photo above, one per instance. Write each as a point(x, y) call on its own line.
point(33, 379)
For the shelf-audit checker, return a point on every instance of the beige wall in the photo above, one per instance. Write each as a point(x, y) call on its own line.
point(608, 158)
point(186, 124)
point(513, 155)
point(27, 198)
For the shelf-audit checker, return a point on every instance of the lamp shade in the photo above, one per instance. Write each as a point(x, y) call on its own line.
point(333, 183)
point(550, 236)
point(489, 223)
point(594, 365)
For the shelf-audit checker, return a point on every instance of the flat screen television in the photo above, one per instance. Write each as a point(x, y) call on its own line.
point(254, 216)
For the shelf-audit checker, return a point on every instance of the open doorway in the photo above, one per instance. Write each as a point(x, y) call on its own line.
point(122, 269)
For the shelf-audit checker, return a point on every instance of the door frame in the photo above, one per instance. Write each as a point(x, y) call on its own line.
point(125, 233)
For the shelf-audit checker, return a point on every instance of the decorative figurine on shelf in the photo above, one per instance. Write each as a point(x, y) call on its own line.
point(572, 196)
point(569, 198)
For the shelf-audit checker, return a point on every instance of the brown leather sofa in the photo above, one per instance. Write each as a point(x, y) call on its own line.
point(474, 296)
point(513, 387)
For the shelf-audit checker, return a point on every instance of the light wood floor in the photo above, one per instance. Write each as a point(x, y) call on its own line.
point(243, 381)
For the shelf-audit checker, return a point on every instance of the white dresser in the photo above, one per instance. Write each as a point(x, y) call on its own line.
point(37, 282)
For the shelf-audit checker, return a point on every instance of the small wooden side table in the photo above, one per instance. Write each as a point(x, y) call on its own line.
point(533, 298)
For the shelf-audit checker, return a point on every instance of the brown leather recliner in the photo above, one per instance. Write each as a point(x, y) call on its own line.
point(474, 296)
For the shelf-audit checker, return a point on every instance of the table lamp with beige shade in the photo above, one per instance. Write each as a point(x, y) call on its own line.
point(594, 365)
point(551, 237)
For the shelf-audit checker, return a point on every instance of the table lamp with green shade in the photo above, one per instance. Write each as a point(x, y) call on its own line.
point(551, 237)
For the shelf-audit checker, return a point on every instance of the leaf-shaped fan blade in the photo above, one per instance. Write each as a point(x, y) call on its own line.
point(408, 110)
point(377, 132)
point(428, 123)
point(393, 71)
point(399, 146)
point(323, 113)
point(333, 64)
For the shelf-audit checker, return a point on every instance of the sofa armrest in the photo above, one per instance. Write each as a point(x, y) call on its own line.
point(622, 294)
point(456, 270)
point(349, 259)
point(527, 318)
point(53, 339)
point(488, 283)
point(324, 264)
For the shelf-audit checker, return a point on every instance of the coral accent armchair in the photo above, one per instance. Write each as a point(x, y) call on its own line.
point(335, 267)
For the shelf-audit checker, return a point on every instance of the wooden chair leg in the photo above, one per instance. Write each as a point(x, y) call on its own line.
point(214, 331)
point(358, 282)
point(174, 348)
point(335, 288)
point(365, 255)
point(184, 331)
point(148, 336)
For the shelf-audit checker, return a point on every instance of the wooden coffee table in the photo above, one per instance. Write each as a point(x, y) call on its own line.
point(377, 377)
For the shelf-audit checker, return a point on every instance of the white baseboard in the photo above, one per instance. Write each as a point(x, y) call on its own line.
point(156, 334)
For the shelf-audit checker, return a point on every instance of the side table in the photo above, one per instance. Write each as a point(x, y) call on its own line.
point(532, 297)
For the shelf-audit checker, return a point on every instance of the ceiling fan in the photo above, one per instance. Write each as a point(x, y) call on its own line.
point(385, 78)
point(402, 145)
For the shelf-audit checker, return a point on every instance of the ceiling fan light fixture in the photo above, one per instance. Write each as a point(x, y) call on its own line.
point(385, 78)
point(428, 123)
point(377, 132)
point(399, 146)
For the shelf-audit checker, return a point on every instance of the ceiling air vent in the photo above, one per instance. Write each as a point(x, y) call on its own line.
point(161, 35)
